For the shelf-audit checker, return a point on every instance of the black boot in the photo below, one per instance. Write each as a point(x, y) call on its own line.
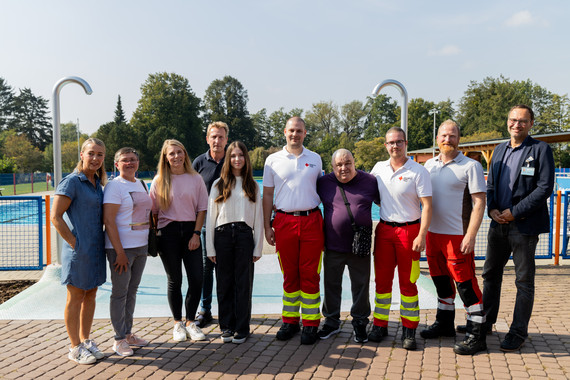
point(475, 340)
point(443, 325)
point(408, 338)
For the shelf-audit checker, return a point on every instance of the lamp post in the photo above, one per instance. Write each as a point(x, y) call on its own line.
point(433, 111)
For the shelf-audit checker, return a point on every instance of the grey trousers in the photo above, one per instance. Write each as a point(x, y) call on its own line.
point(359, 273)
point(124, 289)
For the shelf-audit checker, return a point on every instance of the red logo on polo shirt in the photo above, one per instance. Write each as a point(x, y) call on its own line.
point(400, 178)
point(307, 165)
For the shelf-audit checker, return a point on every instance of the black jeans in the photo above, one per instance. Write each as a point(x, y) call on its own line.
point(504, 239)
point(359, 272)
point(174, 253)
point(234, 275)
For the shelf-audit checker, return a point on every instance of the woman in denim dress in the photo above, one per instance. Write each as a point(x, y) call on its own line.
point(77, 215)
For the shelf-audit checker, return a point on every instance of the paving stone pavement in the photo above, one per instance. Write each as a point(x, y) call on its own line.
point(38, 349)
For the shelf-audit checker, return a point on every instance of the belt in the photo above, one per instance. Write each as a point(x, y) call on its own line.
point(233, 225)
point(394, 224)
point(299, 213)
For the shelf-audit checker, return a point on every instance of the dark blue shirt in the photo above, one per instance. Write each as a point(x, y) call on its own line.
point(509, 172)
point(208, 168)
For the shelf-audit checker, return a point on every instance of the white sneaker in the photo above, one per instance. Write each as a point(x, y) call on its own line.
point(179, 332)
point(92, 347)
point(81, 355)
point(122, 348)
point(194, 332)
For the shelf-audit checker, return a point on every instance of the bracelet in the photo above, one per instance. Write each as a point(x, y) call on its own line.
point(198, 233)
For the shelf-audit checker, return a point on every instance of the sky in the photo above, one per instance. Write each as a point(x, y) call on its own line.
point(287, 54)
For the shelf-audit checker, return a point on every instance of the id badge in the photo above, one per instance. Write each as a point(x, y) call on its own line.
point(527, 171)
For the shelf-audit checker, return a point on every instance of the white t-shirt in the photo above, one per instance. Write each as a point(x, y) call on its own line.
point(294, 179)
point(133, 216)
point(453, 183)
point(401, 190)
point(237, 208)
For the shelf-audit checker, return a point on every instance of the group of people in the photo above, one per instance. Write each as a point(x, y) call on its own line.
point(212, 218)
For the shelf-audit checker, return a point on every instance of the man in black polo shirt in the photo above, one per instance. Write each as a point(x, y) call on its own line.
point(209, 165)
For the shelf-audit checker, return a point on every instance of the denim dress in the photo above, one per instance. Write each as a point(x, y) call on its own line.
point(83, 266)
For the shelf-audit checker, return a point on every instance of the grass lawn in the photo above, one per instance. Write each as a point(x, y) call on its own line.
point(25, 188)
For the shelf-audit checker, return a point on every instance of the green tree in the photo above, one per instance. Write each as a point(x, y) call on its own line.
point(260, 123)
point(368, 152)
point(555, 116)
point(116, 135)
point(167, 109)
point(484, 106)
point(7, 165)
point(420, 122)
point(226, 100)
point(6, 103)
point(383, 114)
point(28, 158)
point(322, 120)
point(119, 113)
point(277, 121)
point(352, 118)
point(30, 117)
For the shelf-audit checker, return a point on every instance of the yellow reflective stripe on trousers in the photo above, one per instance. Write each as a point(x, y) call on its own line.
point(382, 304)
point(320, 263)
point(415, 271)
point(310, 306)
point(291, 303)
point(409, 308)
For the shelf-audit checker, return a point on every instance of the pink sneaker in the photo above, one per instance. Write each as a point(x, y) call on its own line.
point(134, 340)
point(121, 347)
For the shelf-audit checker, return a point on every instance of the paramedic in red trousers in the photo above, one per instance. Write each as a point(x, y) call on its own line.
point(520, 181)
point(297, 230)
point(361, 190)
point(400, 236)
point(459, 188)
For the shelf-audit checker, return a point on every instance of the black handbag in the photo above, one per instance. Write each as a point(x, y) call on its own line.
point(362, 240)
point(152, 233)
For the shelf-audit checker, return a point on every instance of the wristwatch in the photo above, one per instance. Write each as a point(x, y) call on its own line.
point(198, 232)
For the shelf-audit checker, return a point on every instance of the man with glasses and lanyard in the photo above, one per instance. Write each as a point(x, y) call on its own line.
point(400, 236)
point(520, 181)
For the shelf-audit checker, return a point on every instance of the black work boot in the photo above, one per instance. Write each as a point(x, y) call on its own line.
point(443, 325)
point(475, 340)
point(408, 338)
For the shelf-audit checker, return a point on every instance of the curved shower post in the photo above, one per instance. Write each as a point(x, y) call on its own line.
point(403, 92)
point(57, 136)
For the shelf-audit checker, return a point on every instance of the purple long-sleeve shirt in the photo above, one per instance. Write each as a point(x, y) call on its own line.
point(361, 191)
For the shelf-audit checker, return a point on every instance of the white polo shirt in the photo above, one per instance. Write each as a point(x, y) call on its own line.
point(401, 190)
point(453, 183)
point(294, 179)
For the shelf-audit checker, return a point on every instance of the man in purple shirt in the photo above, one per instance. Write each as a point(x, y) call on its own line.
point(361, 190)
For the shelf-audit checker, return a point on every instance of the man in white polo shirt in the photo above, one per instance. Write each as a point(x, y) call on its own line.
point(400, 236)
point(297, 230)
point(458, 207)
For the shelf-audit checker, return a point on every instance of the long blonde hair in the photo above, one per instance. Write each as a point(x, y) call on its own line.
point(163, 183)
point(101, 173)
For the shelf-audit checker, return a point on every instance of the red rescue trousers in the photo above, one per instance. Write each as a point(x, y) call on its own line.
point(447, 266)
point(393, 247)
point(299, 241)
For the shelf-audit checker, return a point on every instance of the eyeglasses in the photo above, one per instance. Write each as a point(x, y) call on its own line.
point(395, 143)
point(520, 121)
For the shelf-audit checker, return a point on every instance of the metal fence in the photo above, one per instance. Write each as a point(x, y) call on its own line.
point(21, 232)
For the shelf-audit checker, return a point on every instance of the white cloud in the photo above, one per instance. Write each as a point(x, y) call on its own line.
point(521, 18)
point(445, 51)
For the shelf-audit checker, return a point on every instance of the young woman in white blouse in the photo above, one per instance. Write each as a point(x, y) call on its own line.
point(234, 240)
